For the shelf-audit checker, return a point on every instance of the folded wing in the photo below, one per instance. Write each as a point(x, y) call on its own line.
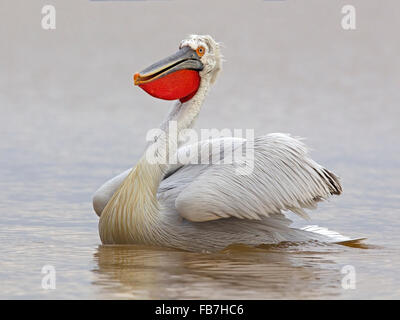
point(283, 178)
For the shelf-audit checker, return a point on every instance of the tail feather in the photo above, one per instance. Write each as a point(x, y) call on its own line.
point(329, 235)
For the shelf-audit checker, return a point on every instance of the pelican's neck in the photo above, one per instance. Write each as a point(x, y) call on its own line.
point(132, 213)
point(182, 116)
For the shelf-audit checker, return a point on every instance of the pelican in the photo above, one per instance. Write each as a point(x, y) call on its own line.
point(207, 207)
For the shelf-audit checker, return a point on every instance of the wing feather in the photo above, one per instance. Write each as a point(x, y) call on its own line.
point(283, 178)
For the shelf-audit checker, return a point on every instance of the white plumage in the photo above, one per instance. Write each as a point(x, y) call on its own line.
point(209, 206)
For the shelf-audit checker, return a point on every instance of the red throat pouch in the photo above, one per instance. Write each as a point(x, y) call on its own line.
point(182, 84)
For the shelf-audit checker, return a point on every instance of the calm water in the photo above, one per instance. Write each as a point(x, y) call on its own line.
point(71, 119)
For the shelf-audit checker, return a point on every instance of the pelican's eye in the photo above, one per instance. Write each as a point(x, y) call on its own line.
point(201, 51)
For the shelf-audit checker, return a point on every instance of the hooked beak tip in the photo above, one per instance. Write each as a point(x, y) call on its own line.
point(136, 77)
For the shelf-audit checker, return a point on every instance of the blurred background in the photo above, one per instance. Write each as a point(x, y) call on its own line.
point(70, 119)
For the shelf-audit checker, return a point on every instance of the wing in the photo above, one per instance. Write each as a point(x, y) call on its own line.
point(283, 178)
point(200, 157)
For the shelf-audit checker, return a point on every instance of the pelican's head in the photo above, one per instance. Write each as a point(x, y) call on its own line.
point(179, 75)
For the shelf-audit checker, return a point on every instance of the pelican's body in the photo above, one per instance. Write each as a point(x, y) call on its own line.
point(209, 206)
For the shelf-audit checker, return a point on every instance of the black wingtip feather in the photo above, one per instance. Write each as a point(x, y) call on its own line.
point(334, 184)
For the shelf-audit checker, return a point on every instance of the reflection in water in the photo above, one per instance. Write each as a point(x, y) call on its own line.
point(236, 273)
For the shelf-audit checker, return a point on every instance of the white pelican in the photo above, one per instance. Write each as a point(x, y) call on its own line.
point(209, 206)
